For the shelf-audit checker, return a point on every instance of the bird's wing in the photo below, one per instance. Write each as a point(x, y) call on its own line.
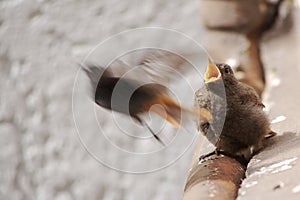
point(152, 65)
point(94, 74)
point(250, 96)
point(203, 104)
point(202, 98)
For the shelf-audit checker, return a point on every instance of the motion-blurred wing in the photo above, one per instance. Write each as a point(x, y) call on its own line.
point(158, 66)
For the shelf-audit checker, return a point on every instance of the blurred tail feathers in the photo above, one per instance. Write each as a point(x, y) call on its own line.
point(152, 97)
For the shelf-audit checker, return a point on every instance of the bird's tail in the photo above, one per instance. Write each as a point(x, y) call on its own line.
point(176, 114)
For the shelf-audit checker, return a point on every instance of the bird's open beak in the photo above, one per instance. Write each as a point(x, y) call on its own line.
point(212, 73)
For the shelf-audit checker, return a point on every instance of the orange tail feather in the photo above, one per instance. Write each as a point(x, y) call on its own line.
point(170, 110)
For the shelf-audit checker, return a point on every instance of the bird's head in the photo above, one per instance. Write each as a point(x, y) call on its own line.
point(219, 72)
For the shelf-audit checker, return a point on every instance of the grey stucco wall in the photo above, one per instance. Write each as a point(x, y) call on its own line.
point(41, 42)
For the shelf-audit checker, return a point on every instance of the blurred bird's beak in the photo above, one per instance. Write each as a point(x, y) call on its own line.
point(212, 73)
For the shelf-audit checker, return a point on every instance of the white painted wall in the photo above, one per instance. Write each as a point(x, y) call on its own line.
point(40, 154)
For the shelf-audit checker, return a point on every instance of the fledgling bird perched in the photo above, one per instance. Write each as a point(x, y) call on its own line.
point(239, 125)
point(134, 98)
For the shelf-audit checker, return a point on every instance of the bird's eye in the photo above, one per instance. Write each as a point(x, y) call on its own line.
point(227, 70)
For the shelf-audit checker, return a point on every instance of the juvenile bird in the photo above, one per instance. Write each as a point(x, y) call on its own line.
point(238, 124)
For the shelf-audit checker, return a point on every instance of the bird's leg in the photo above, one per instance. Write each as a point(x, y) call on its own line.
point(143, 123)
point(154, 135)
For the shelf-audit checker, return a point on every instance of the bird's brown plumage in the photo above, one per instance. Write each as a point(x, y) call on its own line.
point(239, 123)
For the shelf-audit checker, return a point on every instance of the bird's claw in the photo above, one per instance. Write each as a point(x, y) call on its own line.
point(215, 152)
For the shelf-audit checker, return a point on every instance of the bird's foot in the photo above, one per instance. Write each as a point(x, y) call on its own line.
point(270, 134)
point(240, 158)
point(215, 152)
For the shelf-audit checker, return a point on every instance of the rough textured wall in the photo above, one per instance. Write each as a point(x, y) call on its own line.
point(41, 42)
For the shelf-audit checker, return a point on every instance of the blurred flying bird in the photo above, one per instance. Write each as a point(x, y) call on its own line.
point(144, 90)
